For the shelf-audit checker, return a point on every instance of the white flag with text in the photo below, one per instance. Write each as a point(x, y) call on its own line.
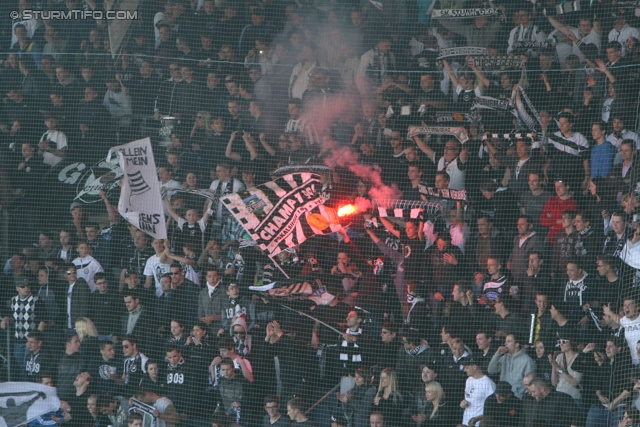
point(140, 200)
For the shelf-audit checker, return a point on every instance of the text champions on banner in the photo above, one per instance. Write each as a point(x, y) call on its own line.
point(282, 213)
point(140, 200)
point(464, 13)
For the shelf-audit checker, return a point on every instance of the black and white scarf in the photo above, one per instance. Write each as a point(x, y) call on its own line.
point(413, 301)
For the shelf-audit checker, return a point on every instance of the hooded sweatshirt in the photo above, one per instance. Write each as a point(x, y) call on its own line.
point(243, 344)
point(512, 368)
point(408, 365)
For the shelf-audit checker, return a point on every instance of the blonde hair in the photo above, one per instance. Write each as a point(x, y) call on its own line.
point(85, 328)
point(436, 388)
point(206, 119)
point(394, 390)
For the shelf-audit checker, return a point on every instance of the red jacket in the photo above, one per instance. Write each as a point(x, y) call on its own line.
point(553, 212)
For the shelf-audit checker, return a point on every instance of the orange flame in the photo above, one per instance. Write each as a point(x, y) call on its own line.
point(347, 210)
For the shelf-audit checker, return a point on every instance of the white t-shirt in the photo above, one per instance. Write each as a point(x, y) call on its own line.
point(162, 405)
point(622, 36)
point(456, 176)
point(87, 267)
point(155, 268)
point(591, 38)
point(476, 392)
point(632, 335)
point(57, 141)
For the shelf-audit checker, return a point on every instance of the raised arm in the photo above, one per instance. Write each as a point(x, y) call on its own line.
point(249, 143)
point(229, 151)
point(266, 145)
point(559, 26)
point(450, 73)
point(390, 227)
point(484, 81)
point(424, 147)
point(172, 212)
point(112, 212)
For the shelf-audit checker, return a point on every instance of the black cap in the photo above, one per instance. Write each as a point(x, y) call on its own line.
point(466, 361)
point(339, 418)
point(503, 388)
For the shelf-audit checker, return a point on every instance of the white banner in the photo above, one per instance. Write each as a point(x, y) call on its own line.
point(22, 402)
point(140, 201)
point(464, 13)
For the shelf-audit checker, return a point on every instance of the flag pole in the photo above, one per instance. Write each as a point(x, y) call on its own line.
point(277, 264)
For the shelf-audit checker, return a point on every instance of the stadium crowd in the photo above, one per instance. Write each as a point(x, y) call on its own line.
point(513, 303)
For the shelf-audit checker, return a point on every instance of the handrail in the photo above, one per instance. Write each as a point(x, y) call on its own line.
point(7, 358)
point(322, 398)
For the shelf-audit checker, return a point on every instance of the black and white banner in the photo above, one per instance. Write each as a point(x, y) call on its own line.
point(491, 103)
point(524, 45)
point(455, 116)
point(443, 193)
point(416, 209)
point(149, 420)
point(202, 193)
point(283, 213)
point(568, 7)
point(23, 402)
point(462, 51)
point(285, 170)
point(628, 4)
point(458, 132)
point(312, 287)
point(493, 63)
point(525, 111)
point(508, 136)
point(140, 200)
point(464, 13)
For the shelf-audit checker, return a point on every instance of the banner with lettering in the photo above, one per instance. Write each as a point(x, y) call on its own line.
point(443, 193)
point(456, 131)
point(283, 213)
point(464, 13)
point(140, 201)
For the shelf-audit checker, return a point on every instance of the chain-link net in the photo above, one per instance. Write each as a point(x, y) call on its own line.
point(335, 213)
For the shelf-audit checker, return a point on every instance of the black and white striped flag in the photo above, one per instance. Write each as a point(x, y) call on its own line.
point(283, 213)
point(137, 183)
point(415, 209)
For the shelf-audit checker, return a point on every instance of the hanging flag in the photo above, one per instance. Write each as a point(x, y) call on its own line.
point(378, 4)
point(283, 213)
point(140, 200)
point(22, 402)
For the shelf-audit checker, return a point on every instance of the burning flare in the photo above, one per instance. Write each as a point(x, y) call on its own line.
point(347, 210)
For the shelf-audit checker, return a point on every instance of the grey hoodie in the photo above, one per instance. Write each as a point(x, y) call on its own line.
point(512, 369)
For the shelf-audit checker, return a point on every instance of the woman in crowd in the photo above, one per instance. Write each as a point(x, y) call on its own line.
point(389, 399)
point(359, 400)
point(438, 413)
point(563, 377)
point(88, 335)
